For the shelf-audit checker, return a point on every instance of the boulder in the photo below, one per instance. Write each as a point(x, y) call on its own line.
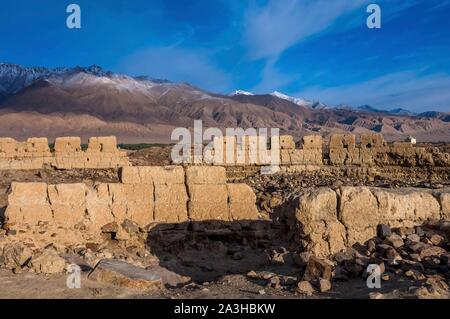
point(49, 262)
point(16, 255)
point(122, 274)
point(317, 268)
point(305, 288)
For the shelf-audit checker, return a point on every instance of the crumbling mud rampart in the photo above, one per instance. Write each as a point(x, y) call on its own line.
point(341, 149)
point(101, 153)
point(322, 220)
point(325, 221)
point(68, 214)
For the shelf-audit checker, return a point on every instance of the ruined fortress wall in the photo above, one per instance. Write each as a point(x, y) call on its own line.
point(255, 150)
point(72, 213)
point(343, 149)
point(327, 221)
point(32, 154)
point(374, 151)
point(309, 154)
point(35, 153)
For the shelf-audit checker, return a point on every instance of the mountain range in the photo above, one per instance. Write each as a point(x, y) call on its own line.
point(91, 102)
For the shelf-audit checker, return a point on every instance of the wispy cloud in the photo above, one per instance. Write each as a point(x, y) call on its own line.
point(179, 64)
point(408, 89)
point(277, 26)
point(272, 78)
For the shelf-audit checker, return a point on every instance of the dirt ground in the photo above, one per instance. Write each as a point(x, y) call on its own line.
point(29, 286)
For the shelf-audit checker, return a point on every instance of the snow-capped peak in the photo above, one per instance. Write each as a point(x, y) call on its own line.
point(241, 92)
point(292, 99)
point(14, 78)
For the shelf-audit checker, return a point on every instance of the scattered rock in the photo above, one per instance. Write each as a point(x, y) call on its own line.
point(317, 269)
point(383, 231)
point(324, 285)
point(16, 255)
point(122, 274)
point(432, 251)
point(274, 282)
point(302, 258)
point(130, 226)
point(376, 295)
point(413, 238)
point(110, 228)
point(436, 239)
point(304, 287)
point(49, 262)
point(394, 240)
point(169, 278)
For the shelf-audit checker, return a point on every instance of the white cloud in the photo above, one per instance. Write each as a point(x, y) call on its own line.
point(408, 89)
point(175, 63)
point(272, 29)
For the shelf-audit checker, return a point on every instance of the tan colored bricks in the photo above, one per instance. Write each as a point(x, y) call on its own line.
point(241, 201)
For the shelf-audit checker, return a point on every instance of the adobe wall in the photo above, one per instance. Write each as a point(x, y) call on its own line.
point(374, 151)
point(325, 221)
point(342, 149)
point(102, 152)
point(69, 214)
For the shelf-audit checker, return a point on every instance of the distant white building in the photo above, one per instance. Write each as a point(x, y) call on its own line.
point(411, 140)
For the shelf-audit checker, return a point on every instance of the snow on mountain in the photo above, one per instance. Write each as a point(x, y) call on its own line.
point(241, 92)
point(14, 78)
point(298, 101)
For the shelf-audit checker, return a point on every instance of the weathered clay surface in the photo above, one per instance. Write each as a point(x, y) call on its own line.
point(71, 213)
point(326, 221)
point(102, 152)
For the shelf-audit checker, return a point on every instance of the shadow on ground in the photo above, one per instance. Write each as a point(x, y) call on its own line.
point(208, 250)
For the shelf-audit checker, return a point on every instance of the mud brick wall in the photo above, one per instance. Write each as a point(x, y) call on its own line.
point(250, 150)
point(309, 154)
point(101, 152)
point(326, 221)
point(343, 149)
point(32, 154)
point(35, 153)
point(374, 151)
point(68, 214)
point(285, 152)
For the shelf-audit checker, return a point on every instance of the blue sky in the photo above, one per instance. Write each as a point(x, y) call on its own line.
point(320, 50)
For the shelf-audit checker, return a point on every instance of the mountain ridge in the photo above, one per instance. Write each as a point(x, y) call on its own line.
point(92, 101)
